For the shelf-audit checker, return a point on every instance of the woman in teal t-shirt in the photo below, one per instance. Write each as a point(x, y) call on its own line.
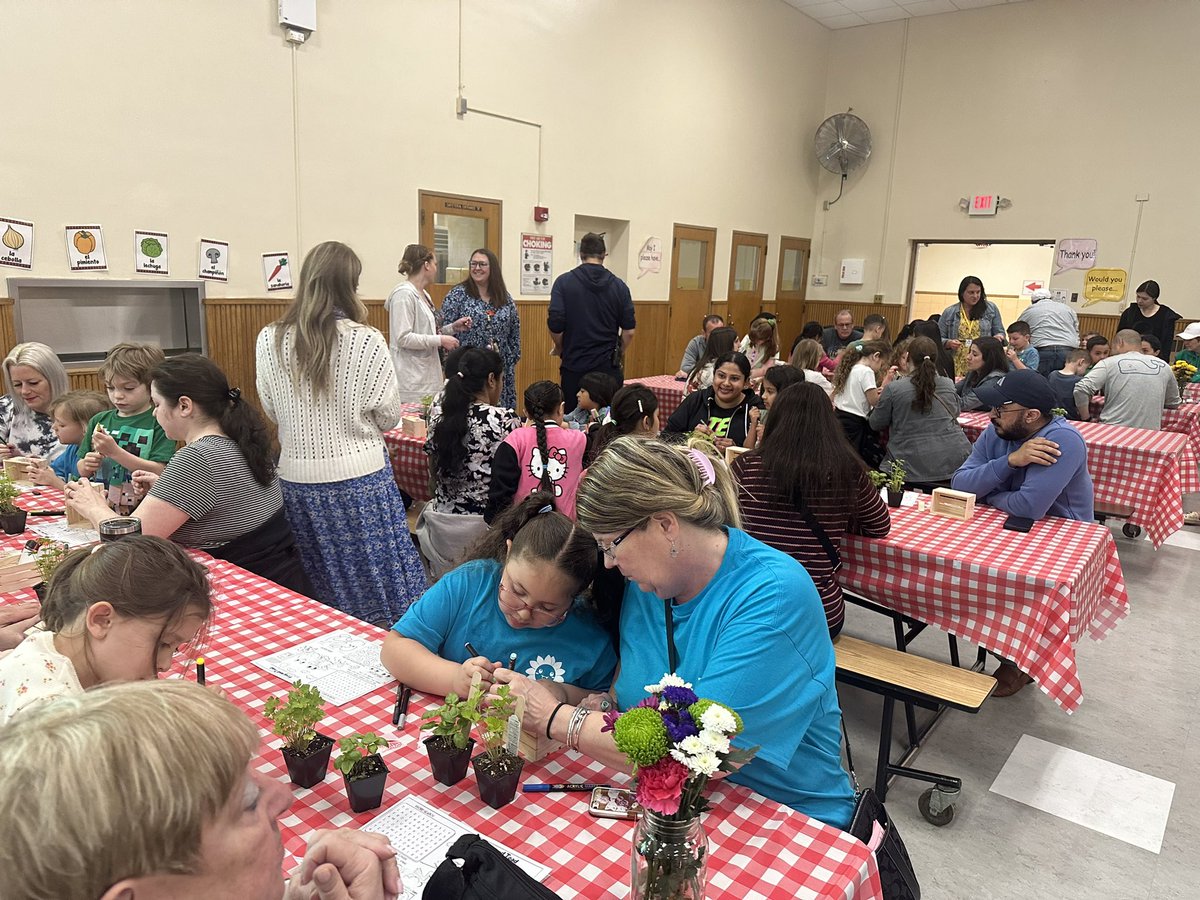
point(746, 621)
point(518, 594)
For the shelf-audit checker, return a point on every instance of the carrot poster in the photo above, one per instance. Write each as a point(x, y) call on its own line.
point(277, 272)
point(16, 243)
point(85, 248)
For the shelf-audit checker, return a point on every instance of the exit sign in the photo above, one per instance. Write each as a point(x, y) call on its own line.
point(982, 205)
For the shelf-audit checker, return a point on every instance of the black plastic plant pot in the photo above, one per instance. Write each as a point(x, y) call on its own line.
point(365, 788)
point(497, 779)
point(895, 498)
point(13, 522)
point(448, 763)
point(308, 767)
point(40, 589)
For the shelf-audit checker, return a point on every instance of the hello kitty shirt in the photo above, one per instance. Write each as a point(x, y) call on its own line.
point(518, 465)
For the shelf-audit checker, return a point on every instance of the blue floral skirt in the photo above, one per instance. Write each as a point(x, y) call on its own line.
point(353, 539)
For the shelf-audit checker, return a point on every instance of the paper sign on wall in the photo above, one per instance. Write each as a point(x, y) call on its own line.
point(650, 256)
point(537, 250)
point(1029, 285)
point(1074, 253)
point(16, 243)
point(150, 253)
point(214, 260)
point(1104, 286)
point(85, 248)
point(277, 272)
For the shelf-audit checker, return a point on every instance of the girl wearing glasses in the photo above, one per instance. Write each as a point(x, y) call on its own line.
point(482, 298)
point(740, 621)
point(518, 594)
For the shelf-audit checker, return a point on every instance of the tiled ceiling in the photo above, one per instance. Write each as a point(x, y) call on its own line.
point(849, 13)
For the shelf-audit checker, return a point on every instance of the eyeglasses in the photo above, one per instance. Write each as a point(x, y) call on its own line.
point(611, 550)
point(478, 264)
point(1000, 410)
point(515, 604)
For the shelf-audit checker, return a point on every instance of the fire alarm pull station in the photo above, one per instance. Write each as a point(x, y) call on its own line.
point(541, 214)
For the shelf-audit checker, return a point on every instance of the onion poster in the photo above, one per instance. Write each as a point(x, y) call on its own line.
point(16, 243)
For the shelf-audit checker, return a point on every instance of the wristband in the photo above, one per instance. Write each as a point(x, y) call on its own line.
point(550, 721)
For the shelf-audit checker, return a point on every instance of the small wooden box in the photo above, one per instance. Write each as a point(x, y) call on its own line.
point(412, 426)
point(953, 504)
point(17, 469)
point(15, 574)
point(535, 746)
point(733, 452)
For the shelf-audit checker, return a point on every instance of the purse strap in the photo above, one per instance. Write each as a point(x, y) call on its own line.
point(815, 527)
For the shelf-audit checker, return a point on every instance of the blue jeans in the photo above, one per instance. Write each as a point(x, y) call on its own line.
point(1051, 359)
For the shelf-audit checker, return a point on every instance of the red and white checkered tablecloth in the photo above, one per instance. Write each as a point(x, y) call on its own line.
point(667, 391)
point(1144, 471)
point(410, 465)
point(759, 849)
point(1028, 597)
point(1183, 419)
point(1191, 391)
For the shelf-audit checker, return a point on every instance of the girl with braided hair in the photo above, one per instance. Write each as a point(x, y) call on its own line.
point(542, 455)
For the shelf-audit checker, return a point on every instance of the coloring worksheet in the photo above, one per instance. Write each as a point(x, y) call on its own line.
point(422, 835)
point(341, 665)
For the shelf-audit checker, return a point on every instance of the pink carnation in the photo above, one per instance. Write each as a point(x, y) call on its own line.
point(660, 786)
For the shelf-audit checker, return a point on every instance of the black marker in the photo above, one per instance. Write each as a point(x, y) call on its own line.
point(199, 670)
point(471, 649)
point(401, 710)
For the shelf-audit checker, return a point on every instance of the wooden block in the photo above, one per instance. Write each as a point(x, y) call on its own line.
point(412, 426)
point(15, 574)
point(76, 520)
point(17, 469)
point(536, 746)
point(953, 504)
point(733, 452)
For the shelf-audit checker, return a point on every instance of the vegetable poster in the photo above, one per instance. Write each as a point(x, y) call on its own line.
point(214, 260)
point(276, 271)
point(85, 248)
point(16, 243)
point(150, 253)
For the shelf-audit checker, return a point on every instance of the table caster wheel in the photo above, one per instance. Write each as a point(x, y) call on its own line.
point(935, 808)
point(1131, 531)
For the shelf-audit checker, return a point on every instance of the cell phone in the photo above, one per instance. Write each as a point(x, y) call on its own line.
point(613, 803)
point(681, 378)
point(1018, 523)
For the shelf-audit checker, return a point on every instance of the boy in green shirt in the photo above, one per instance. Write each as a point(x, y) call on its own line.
point(118, 441)
point(1191, 348)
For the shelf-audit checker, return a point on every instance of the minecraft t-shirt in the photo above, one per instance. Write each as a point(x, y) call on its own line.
point(140, 435)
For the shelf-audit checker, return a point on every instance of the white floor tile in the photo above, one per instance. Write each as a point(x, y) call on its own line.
point(1103, 796)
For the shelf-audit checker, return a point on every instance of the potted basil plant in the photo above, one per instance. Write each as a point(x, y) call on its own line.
point(12, 519)
point(497, 771)
point(305, 752)
point(893, 480)
point(363, 770)
point(450, 745)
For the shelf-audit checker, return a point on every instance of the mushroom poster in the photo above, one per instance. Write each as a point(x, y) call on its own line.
point(214, 260)
point(150, 251)
point(85, 248)
point(276, 271)
point(16, 243)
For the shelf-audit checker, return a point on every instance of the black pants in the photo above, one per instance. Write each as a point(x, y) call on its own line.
point(570, 383)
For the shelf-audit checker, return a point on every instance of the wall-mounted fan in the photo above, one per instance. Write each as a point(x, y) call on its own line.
point(843, 144)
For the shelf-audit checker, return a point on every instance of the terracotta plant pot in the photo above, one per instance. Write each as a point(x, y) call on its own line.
point(449, 766)
point(894, 498)
point(364, 786)
point(309, 766)
point(497, 779)
point(13, 522)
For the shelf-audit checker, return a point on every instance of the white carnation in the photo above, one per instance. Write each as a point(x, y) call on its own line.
point(705, 763)
point(674, 680)
point(718, 718)
point(692, 744)
point(712, 740)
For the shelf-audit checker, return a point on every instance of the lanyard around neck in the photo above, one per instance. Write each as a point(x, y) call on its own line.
point(672, 653)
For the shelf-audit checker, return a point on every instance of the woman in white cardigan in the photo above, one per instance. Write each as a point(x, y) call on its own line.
point(327, 378)
point(417, 332)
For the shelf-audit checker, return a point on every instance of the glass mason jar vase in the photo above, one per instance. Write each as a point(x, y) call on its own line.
point(669, 860)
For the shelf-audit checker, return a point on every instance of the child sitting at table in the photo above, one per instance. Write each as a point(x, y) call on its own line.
point(1020, 350)
point(761, 345)
point(1063, 381)
point(593, 398)
point(70, 414)
point(720, 341)
point(634, 411)
point(518, 595)
point(114, 612)
point(856, 391)
point(775, 379)
point(540, 456)
point(118, 441)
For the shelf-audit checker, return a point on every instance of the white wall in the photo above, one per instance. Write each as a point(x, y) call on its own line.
point(1068, 107)
point(190, 118)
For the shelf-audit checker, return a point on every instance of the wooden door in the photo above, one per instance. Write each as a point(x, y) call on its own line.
point(454, 227)
point(747, 262)
point(690, 296)
point(790, 287)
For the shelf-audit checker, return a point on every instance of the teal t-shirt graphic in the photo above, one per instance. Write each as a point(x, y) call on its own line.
point(140, 435)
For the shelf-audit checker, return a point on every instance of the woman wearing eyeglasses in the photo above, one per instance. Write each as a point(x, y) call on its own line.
point(740, 621)
point(518, 594)
point(484, 300)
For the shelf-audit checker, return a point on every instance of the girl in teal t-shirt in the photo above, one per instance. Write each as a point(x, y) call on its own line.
point(517, 595)
point(1191, 349)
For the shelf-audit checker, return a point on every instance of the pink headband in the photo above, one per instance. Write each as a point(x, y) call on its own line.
point(704, 464)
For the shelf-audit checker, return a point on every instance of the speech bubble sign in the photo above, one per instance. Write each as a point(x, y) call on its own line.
point(1104, 286)
point(1074, 253)
point(650, 256)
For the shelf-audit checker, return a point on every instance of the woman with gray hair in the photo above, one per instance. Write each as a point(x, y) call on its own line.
point(34, 376)
point(740, 621)
point(147, 790)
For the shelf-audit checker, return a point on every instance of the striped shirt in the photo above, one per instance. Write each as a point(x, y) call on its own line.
point(210, 481)
point(774, 520)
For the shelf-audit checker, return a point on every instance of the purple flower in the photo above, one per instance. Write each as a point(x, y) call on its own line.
point(679, 696)
point(610, 719)
point(679, 724)
point(650, 702)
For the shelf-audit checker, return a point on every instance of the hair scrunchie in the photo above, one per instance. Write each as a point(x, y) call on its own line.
point(858, 348)
point(235, 394)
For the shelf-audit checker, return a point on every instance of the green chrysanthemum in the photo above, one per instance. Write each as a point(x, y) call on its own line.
point(641, 735)
point(698, 708)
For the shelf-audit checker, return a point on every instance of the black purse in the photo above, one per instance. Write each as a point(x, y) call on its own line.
point(485, 873)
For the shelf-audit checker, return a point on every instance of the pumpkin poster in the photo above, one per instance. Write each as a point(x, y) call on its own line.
point(85, 248)
point(16, 243)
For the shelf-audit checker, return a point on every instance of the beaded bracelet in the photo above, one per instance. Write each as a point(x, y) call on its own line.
point(550, 721)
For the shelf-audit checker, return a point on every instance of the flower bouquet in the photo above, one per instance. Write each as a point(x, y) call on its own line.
point(1183, 372)
point(675, 741)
